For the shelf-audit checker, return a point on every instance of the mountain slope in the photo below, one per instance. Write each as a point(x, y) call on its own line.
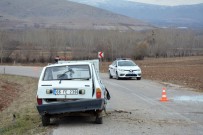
point(61, 13)
point(178, 16)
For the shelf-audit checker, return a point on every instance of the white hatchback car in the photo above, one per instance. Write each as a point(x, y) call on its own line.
point(71, 87)
point(123, 68)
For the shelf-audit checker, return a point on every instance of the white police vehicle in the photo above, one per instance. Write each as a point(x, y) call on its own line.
point(124, 68)
point(71, 87)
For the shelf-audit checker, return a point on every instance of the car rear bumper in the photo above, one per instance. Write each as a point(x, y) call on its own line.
point(71, 106)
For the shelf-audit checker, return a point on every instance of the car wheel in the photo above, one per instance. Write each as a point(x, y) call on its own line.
point(99, 120)
point(45, 120)
point(138, 78)
point(117, 77)
point(110, 76)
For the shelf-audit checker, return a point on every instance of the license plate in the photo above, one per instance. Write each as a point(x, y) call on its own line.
point(130, 72)
point(65, 92)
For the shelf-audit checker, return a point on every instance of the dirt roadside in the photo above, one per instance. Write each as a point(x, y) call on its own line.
point(18, 114)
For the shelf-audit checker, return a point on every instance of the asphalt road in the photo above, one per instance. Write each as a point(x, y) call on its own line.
point(134, 109)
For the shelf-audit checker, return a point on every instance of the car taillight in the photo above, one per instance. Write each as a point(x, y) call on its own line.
point(98, 93)
point(39, 101)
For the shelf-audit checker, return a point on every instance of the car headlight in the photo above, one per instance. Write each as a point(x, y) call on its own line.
point(121, 70)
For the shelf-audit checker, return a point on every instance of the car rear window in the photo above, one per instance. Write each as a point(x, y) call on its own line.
point(67, 72)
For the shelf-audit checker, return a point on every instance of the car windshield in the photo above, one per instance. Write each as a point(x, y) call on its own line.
point(126, 63)
point(69, 72)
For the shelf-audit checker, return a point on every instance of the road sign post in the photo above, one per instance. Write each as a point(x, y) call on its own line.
point(100, 56)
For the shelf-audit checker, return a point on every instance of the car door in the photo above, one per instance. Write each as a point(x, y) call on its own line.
point(111, 67)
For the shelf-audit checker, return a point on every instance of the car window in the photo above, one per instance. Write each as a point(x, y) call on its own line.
point(67, 72)
point(114, 63)
point(126, 63)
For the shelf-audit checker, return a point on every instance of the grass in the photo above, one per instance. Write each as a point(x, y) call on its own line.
point(23, 106)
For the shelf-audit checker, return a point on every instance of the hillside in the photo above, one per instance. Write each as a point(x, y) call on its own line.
point(62, 14)
point(159, 15)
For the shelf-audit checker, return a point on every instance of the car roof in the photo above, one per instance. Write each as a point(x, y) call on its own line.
point(71, 63)
point(123, 60)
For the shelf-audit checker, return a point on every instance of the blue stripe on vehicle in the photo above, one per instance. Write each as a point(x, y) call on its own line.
point(54, 92)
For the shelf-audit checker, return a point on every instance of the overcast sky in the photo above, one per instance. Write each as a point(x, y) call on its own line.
point(169, 2)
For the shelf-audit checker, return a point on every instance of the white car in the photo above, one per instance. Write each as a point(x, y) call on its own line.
point(71, 87)
point(124, 68)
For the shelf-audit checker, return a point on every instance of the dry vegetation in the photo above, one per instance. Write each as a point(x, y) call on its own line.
point(42, 45)
point(18, 97)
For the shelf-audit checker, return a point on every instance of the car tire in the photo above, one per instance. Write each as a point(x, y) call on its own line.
point(138, 78)
point(110, 76)
point(99, 120)
point(117, 77)
point(45, 120)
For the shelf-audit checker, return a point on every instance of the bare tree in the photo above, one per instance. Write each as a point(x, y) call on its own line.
point(3, 40)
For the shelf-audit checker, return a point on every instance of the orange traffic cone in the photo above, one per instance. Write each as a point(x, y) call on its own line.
point(164, 97)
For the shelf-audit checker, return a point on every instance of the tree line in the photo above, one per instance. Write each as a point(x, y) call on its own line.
point(42, 45)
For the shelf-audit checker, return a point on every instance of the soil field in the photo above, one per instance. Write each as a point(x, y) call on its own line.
point(185, 71)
